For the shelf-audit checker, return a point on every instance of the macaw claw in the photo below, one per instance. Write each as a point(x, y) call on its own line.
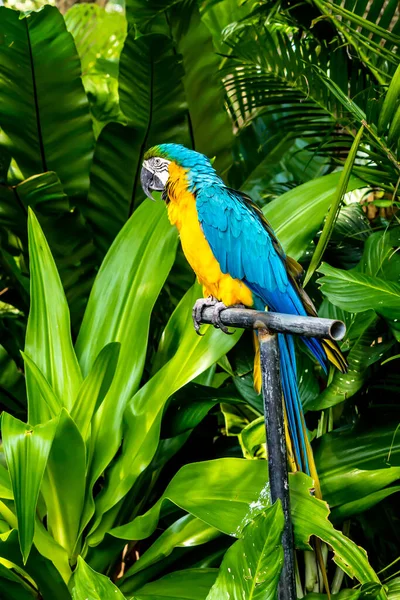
point(197, 313)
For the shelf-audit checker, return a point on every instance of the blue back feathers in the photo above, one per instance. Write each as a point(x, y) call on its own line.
point(246, 248)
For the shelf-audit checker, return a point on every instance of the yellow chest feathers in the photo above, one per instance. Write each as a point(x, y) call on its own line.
point(182, 212)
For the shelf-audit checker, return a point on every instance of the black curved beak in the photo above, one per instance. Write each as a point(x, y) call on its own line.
point(150, 183)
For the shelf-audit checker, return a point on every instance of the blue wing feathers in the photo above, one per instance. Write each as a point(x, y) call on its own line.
point(245, 249)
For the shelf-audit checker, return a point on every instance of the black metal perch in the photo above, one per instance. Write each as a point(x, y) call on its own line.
point(268, 325)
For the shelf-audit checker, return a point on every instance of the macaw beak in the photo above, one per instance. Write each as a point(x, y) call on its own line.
point(150, 183)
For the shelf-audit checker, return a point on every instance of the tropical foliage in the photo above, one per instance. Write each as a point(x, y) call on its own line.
point(133, 451)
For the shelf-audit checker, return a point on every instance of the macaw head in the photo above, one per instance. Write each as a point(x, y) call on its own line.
point(158, 161)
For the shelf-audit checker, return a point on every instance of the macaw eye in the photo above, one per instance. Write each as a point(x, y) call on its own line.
point(157, 162)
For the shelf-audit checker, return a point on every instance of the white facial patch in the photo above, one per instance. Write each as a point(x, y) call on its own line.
point(158, 166)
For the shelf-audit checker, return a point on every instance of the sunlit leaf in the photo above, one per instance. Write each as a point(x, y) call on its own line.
point(88, 584)
point(251, 567)
point(48, 337)
point(64, 483)
point(95, 387)
point(189, 355)
point(26, 449)
point(190, 584)
point(297, 215)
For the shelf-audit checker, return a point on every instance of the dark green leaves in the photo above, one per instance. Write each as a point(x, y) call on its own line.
point(45, 112)
point(356, 292)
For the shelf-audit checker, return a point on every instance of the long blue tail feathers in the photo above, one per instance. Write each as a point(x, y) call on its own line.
point(291, 395)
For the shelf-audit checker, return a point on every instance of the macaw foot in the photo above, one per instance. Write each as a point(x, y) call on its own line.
point(197, 311)
point(202, 303)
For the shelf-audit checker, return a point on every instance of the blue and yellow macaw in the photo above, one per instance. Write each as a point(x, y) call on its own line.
point(238, 260)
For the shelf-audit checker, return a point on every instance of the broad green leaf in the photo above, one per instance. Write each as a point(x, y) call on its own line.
point(88, 584)
point(156, 109)
point(95, 387)
point(356, 292)
point(335, 207)
point(40, 569)
point(190, 584)
point(119, 310)
point(394, 588)
point(354, 463)
point(252, 439)
point(112, 176)
point(26, 449)
point(64, 483)
point(211, 129)
point(45, 112)
point(191, 356)
point(296, 216)
point(252, 566)
point(202, 489)
point(48, 336)
point(311, 517)
point(185, 532)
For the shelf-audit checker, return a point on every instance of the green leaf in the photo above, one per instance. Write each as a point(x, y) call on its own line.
point(88, 584)
point(296, 216)
point(311, 517)
point(26, 449)
point(45, 112)
point(48, 336)
point(189, 355)
point(334, 208)
point(119, 309)
point(43, 388)
point(190, 584)
point(252, 439)
point(156, 109)
point(356, 292)
point(5, 484)
point(13, 586)
point(115, 164)
point(363, 504)
point(95, 387)
point(203, 489)
point(252, 566)
point(40, 569)
point(390, 104)
point(364, 352)
point(394, 589)
point(185, 532)
point(211, 129)
point(64, 483)
point(355, 462)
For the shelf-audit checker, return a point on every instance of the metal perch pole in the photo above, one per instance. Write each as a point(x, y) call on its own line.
point(268, 325)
